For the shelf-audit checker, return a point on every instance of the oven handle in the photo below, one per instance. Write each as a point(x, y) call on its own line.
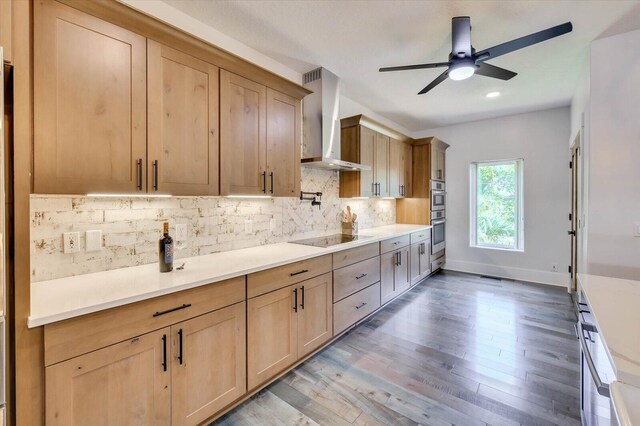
point(438, 222)
point(603, 388)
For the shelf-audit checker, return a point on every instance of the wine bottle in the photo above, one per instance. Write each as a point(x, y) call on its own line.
point(165, 253)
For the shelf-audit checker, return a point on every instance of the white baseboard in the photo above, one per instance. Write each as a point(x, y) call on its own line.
point(520, 274)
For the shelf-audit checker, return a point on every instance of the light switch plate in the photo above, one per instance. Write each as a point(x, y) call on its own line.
point(93, 240)
point(181, 232)
point(71, 242)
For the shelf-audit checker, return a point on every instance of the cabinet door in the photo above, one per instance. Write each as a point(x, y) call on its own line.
point(283, 144)
point(396, 167)
point(271, 334)
point(208, 368)
point(414, 262)
point(407, 175)
point(437, 162)
point(402, 273)
point(243, 136)
point(89, 103)
point(387, 276)
point(425, 262)
point(381, 164)
point(6, 27)
point(182, 123)
point(315, 313)
point(367, 148)
point(127, 383)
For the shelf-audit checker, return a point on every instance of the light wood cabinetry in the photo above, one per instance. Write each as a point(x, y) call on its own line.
point(394, 274)
point(286, 324)
point(354, 308)
point(420, 263)
point(353, 278)
point(89, 103)
point(6, 29)
point(284, 118)
point(438, 149)
point(272, 279)
point(243, 136)
point(182, 123)
point(369, 143)
point(127, 383)
point(208, 355)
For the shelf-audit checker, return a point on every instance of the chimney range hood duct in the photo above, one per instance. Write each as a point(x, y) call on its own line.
point(321, 134)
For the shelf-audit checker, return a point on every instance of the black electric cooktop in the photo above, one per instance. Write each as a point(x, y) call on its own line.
point(330, 240)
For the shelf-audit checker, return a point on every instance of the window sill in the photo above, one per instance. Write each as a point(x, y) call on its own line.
point(517, 250)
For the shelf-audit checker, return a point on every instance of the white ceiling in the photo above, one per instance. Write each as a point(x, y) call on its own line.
point(354, 38)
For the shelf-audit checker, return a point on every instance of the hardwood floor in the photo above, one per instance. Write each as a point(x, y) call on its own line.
point(457, 349)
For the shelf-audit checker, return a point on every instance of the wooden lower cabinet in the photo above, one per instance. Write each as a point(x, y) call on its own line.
point(208, 364)
point(271, 334)
point(127, 383)
point(287, 324)
point(420, 265)
point(394, 274)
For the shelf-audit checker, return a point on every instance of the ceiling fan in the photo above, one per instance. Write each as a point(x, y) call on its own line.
point(464, 61)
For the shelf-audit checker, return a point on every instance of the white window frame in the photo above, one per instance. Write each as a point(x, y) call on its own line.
point(473, 204)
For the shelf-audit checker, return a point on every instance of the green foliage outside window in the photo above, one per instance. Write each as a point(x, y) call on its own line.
point(497, 204)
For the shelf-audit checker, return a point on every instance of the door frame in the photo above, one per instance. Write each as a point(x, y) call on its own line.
point(574, 215)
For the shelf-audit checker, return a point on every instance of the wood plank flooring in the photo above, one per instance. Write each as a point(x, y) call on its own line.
point(456, 350)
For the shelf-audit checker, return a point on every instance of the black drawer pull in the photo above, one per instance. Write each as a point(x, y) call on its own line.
point(361, 276)
point(295, 298)
point(293, 274)
point(168, 311)
point(396, 243)
point(164, 352)
point(361, 305)
point(180, 346)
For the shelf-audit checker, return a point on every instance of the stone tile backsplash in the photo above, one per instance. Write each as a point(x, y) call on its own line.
point(131, 226)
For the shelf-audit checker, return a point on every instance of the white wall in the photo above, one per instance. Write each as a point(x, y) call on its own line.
point(541, 139)
point(614, 157)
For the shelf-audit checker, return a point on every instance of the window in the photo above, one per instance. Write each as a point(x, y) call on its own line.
point(496, 205)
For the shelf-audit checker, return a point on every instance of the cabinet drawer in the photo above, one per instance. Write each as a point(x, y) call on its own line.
point(355, 307)
point(272, 279)
point(353, 278)
point(354, 255)
point(420, 236)
point(77, 336)
point(437, 264)
point(394, 243)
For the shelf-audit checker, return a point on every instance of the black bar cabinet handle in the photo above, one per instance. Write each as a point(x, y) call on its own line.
point(155, 175)
point(302, 301)
point(180, 346)
point(361, 276)
point(271, 177)
point(168, 311)
point(139, 166)
point(264, 182)
point(361, 305)
point(295, 299)
point(293, 274)
point(164, 352)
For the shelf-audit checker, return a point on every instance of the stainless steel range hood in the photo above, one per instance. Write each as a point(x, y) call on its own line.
point(321, 128)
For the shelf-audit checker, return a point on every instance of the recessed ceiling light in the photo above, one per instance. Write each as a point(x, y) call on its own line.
point(492, 94)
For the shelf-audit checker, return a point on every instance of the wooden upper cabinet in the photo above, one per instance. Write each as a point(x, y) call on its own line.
point(366, 148)
point(183, 137)
point(284, 134)
point(127, 383)
point(6, 27)
point(438, 149)
point(208, 369)
point(399, 169)
point(315, 317)
point(89, 103)
point(407, 170)
point(381, 164)
point(272, 331)
point(243, 136)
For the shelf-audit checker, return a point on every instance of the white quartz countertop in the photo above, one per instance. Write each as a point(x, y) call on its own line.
point(60, 299)
point(615, 306)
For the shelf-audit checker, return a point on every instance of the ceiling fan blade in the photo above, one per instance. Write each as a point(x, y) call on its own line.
point(489, 70)
point(522, 42)
point(415, 67)
point(442, 77)
point(461, 36)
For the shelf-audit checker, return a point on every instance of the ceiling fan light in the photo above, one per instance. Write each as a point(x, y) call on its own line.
point(462, 70)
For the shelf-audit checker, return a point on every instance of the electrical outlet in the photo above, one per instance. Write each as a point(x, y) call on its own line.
point(71, 242)
point(248, 226)
point(273, 224)
point(554, 267)
point(93, 240)
point(181, 232)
